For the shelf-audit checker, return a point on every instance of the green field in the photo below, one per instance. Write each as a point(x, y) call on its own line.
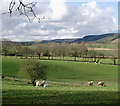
point(103, 45)
point(68, 83)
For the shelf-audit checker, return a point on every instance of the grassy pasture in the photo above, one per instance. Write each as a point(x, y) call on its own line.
point(68, 83)
point(78, 59)
point(103, 45)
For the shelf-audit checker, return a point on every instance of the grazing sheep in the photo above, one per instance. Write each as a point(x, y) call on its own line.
point(101, 83)
point(90, 83)
point(39, 83)
point(42, 83)
point(46, 85)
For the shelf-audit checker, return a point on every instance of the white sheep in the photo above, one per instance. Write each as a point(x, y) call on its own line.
point(39, 83)
point(101, 83)
point(46, 85)
point(90, 83)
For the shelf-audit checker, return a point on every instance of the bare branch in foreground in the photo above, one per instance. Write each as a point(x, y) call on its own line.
point(24, 9)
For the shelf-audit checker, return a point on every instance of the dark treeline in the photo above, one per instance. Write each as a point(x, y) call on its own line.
point(51, 50)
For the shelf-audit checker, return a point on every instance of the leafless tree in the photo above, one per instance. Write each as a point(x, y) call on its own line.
point(23, 9)
point(39, 50)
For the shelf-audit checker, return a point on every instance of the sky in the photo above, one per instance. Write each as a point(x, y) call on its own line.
point(63, 20)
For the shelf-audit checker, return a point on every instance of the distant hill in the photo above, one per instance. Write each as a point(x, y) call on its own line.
point(109, 39)
point(59, 41)
point(88, 38)
point(116, 40)
point(103, 38)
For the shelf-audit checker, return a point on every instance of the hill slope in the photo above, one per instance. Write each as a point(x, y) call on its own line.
point(87, 38)
point(103, 38)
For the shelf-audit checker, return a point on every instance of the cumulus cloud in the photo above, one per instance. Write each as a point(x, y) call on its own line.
point(58, 9)
point(62, 21)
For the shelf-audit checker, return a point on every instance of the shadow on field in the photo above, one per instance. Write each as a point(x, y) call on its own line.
point(55, 96)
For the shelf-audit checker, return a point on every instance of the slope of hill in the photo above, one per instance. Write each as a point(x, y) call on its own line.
point(109, 39)
point(103, 38)
point(87, 38)
point(94, 37)
point(59, 41)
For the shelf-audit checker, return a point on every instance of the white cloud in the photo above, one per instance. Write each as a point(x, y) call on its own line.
point(67, 31)
point(58, 9)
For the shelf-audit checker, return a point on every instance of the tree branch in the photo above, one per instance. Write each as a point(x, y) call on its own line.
point(23, 9)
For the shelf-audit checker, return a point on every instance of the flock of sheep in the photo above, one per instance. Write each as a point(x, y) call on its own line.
point(90, 83)
point(101, 83)
point(42, 83)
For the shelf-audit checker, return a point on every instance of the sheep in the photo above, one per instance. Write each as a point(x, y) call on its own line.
point(101, 83)
point(46, 85)
point(42, 83)
point(90, 83)
point(39, 83)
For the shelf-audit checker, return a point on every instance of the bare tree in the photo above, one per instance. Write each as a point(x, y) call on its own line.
point(39, 49)
point(53, 48)
point(75, 50)
point(23, 9)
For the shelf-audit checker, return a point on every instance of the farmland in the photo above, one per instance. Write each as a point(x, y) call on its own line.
point(68, 83)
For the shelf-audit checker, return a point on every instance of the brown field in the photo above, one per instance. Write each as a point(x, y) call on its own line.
point(102, 49)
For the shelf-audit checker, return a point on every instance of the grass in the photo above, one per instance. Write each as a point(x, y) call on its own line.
point(10, 66)
point(68, 83)
point(18, 93)
point(103, 45)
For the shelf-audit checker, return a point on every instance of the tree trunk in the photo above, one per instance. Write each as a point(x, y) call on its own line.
point(63, 57)
point(98, 60)
point(95, 59)
point(52, 55)
point(48, 57)
point(75, 58)
point(33, 82)
point(114, 61)
point(26, 57)
point(39, 56)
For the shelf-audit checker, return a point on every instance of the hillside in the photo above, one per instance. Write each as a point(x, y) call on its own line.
point(103, 38)
point(90, 38)
point(87, 38)
point(109, 39)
